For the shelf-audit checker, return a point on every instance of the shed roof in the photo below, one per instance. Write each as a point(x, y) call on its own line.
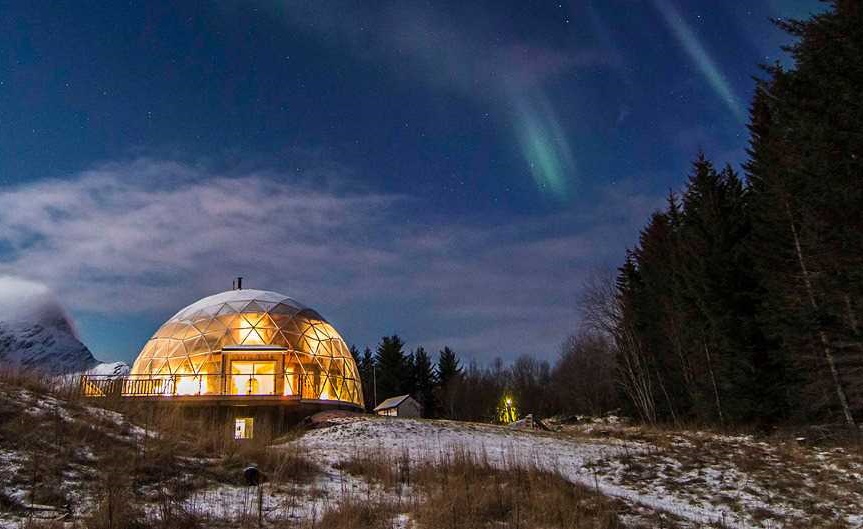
point(392, 402)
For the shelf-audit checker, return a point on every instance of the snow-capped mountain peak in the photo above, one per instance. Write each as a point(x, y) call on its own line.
point(36, 333)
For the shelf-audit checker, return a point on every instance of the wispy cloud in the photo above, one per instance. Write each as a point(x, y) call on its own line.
point(148, 236)
point(27, 301)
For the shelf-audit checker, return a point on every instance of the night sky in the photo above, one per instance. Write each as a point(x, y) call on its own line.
point(449, 172)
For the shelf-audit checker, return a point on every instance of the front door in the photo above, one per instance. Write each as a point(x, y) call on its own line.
point(253, 377)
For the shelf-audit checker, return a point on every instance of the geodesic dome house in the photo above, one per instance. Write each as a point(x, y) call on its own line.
point(240, 347)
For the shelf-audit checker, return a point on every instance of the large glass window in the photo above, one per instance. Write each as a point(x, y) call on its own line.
point(253, 377)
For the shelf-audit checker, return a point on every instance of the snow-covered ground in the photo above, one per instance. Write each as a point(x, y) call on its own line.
point(692, 479)
point(673, 477)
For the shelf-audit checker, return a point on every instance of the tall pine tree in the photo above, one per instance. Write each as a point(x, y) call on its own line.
point(425, 382)
point(806, 158)
point(449, 376)
point(390, 362)
point(368, 375)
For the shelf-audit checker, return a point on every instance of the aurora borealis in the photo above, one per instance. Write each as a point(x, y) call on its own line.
point(449, 171)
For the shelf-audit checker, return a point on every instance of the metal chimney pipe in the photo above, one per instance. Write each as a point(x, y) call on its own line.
point(239, 283)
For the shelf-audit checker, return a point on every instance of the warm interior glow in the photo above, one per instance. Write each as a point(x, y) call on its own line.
point(247, 333)
point(253, 377)
point(163, 385)
point(244, 427)
point(292, 381)
point(188, 385)
point(211, 349)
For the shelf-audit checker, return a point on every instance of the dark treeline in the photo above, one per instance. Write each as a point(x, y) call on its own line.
point(580, 381)
point(741, 303)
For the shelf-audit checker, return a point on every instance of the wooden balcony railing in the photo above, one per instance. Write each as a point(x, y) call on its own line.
point(297, 385)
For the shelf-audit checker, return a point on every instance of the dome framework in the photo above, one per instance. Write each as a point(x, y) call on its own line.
point(244, 344)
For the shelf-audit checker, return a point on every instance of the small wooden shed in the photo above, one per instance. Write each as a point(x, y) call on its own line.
point(401, 406)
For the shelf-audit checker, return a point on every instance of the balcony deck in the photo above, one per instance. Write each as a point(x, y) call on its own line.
point(278, 389)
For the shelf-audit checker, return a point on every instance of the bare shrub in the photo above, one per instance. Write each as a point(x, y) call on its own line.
point(116, 507)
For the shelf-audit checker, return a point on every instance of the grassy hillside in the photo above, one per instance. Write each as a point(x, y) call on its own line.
point(68, 462)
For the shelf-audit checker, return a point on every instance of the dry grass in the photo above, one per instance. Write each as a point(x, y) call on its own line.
point(378, 467)
point(354, 513)
point(158, 470)
point(120, 465)
point(61, 387)
point(461, 491)
point(282, 465)
point(464, 492)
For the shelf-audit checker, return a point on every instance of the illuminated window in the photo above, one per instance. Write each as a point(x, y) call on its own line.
point(253, 378)
point(243, 427)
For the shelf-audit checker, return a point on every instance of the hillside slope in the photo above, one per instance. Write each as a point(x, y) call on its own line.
point(696, 478)
point(70, 459)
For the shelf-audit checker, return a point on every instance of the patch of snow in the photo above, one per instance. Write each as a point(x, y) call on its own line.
point(115, 369)
point(500, 446)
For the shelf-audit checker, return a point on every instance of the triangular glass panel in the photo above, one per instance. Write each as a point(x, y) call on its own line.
point(244, 335)
point(157, 365)
point(214, 340)
point(197, 346)
point(267, 306)
point(267, 335)
point(188, 332)
point(309, 346)
point(286, 323)
point(238, 306)
point(253, 306)
point(225, 309)
point(197, 361)
point(294, 340)
point(211, 310)
point(159, 349)
point(226, 321)
point(277, 338)
point(219, 323)
point(253, 318)
point(175, 348)
point(281, 308)
point(266, 322)
point(228, 339)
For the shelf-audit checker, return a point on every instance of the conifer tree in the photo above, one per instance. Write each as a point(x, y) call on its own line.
point(449, 375)
point(408, 378)
point(425, 379)
point(717, 284)
point(390, 362)
point(806, 196)
point(367, 372)
point(365, 363)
